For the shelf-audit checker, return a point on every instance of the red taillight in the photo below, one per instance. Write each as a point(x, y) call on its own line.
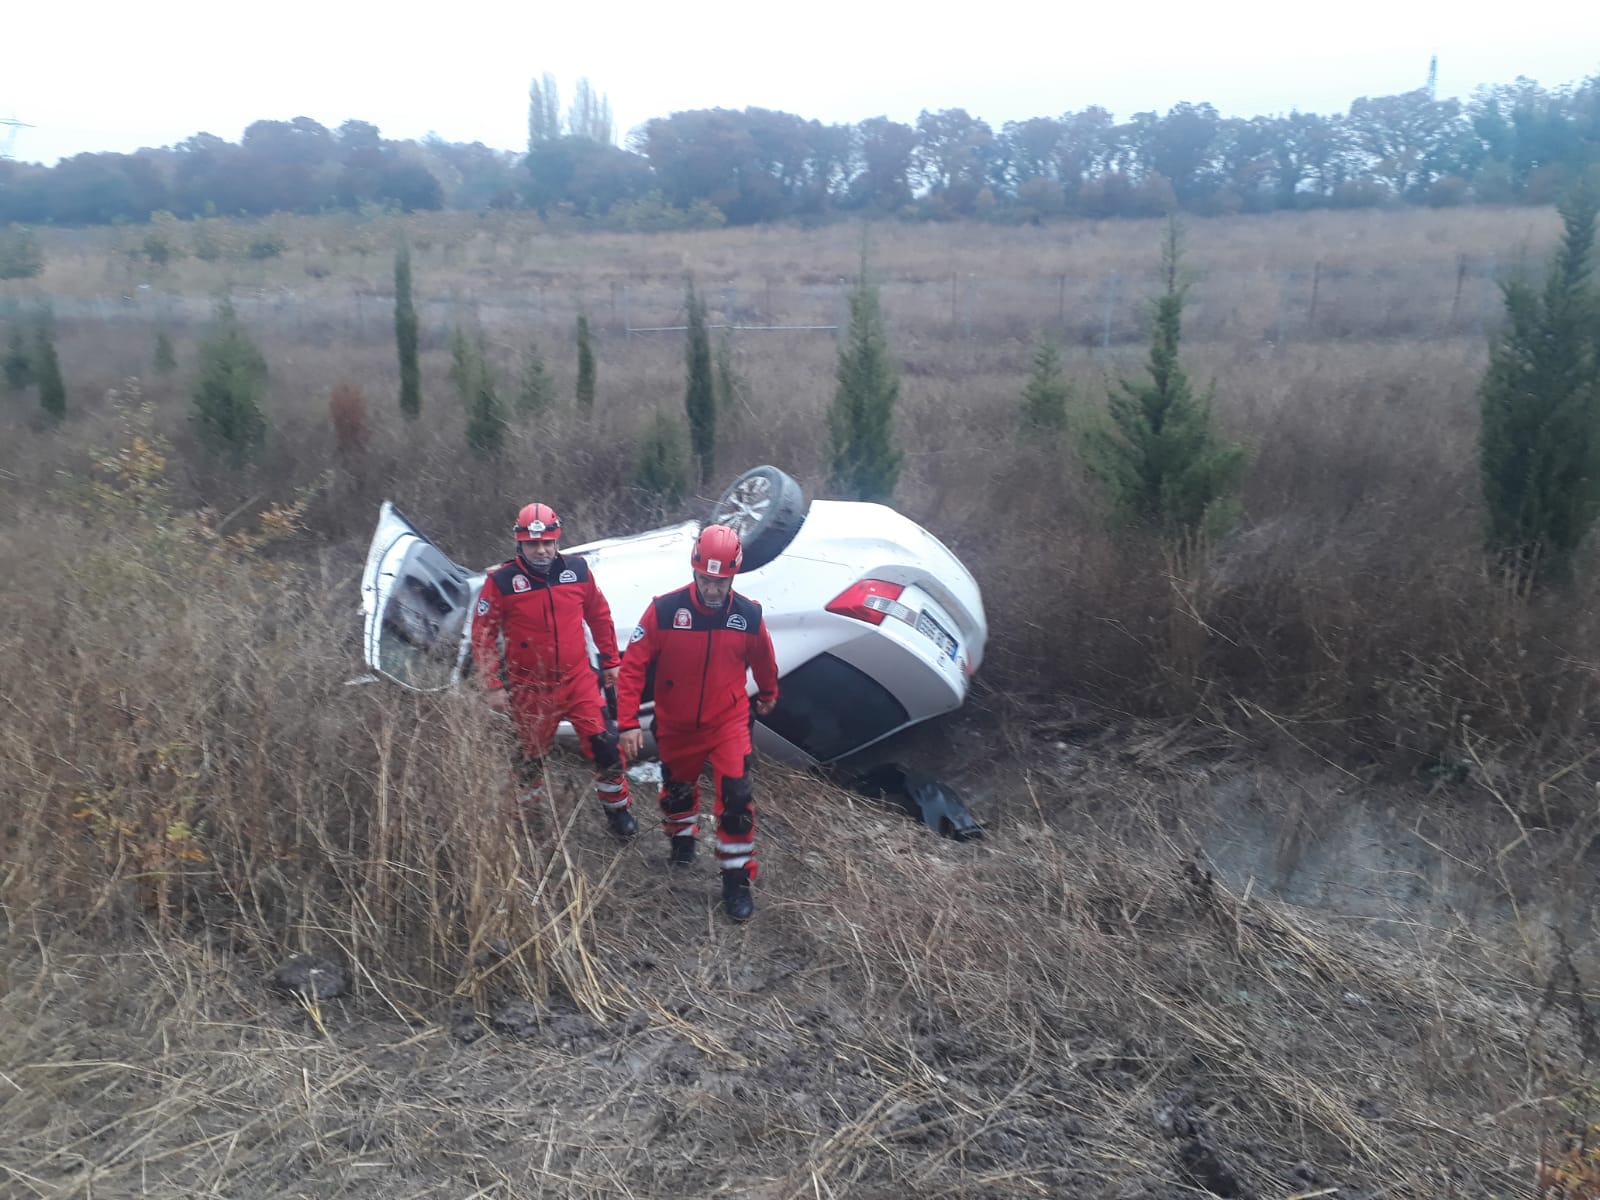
point(871, 601)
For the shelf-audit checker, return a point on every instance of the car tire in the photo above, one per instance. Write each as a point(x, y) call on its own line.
point(766, 507)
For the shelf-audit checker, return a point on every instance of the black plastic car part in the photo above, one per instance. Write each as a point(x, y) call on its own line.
point(924, 798)
point(766, 507)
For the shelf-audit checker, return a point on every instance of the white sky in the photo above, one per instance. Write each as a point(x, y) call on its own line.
point(110, 75)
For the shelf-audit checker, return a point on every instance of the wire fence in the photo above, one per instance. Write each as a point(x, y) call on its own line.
point(1104, 310)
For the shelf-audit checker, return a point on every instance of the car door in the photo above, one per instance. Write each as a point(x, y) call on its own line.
point(416, 606)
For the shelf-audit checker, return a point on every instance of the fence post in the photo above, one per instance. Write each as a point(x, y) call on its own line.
point(1316, 278)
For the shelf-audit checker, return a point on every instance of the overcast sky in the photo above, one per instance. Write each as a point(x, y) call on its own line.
point(99, 75)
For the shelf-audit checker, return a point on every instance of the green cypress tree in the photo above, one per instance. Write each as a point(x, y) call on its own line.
point(18, 362)
point(865, 464)
point(662, 469)
point(585, 390)
point(405, 336)
point(1539, 442)
point(226, 414)
point(486, 416)
point(536, 392)
point(166, 358)
point(46, 364)
point(462, 365)
point(700, 401)
point(1160, 461)
point(733, 390)
point(1044, 399)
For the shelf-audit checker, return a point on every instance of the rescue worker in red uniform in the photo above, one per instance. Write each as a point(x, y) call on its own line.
point(528, 643)
point(695, 645)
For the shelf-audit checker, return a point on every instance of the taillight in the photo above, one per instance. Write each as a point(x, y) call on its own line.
point(871, 601)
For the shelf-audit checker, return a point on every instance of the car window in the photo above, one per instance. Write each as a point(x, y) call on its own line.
point(813, 714)
point(426, 608)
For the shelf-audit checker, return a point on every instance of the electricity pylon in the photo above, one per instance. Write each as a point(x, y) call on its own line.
point(8, 134)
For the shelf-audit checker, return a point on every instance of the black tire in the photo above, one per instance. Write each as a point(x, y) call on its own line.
point(766, 507)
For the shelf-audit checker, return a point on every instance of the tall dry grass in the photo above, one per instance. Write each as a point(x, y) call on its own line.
point(192, 792)
point(183, 747)
point(1351, 602)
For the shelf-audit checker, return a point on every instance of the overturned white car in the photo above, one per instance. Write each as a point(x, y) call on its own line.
point(876, 625)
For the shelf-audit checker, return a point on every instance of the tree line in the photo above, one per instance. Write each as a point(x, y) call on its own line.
point(1510, 143)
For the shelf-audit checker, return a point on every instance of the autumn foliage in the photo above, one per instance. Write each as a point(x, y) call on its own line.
point(347, 408)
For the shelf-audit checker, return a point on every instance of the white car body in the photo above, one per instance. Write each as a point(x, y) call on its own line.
point(845, 681)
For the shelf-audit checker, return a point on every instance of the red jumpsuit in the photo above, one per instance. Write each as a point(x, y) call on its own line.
point(527, 637)
point(694, 659)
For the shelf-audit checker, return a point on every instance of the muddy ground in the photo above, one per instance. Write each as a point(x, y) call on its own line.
point(1174, 967)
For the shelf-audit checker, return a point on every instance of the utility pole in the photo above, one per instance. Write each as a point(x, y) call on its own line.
point(1433, 77)
point(8, 138)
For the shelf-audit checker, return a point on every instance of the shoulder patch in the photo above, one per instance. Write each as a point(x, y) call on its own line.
point(637, 635)
point(567, 577)
point(682, 619)
point(737, 621)
point(519, 583)
point(483, 606)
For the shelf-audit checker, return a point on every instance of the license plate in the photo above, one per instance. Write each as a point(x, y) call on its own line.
point(937, 634)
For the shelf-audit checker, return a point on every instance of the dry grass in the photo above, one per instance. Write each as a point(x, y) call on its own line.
point(1074, 1007)
point(1065, 1011)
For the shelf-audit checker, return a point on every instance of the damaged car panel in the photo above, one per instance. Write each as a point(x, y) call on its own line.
point(876, 624)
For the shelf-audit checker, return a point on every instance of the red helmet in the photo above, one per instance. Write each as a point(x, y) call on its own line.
point(717, 552)
point(537, 523)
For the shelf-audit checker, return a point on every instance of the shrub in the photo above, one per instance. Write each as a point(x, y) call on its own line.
point(160, 244)
point(1044, 399)
point(537, 391)
point(227, 416)
point(700, 400)
point(861, 421)
point(46, 364)
point(733, 389)
point(207, 246)
point(266, 245)
point(662, 469)
point(1160, 461)
point(21, 256)
point(18, 362)
point(461, 364)
point(347, 408)
point(585, 388)
point(166, 357)
point(405, 336)
point(1539, 442)
point(474, 380)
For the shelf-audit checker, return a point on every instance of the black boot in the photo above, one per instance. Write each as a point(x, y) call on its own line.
point(736, 898)
point(682, 853)
point(621, 822)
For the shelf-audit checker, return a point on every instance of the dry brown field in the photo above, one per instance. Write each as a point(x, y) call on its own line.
point(1287, 883)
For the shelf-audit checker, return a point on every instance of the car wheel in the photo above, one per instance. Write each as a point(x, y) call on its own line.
point(766, 507)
